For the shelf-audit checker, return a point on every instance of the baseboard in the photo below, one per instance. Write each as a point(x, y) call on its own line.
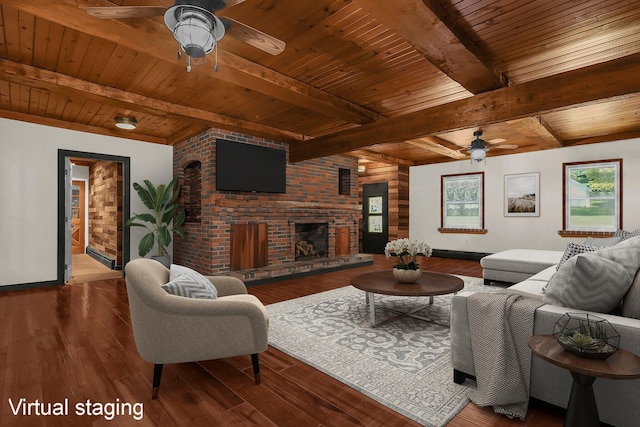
point(23, 286)
point(101, 258)
point(444, 253)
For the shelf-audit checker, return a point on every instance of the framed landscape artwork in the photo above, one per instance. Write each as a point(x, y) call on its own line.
point(522, 194)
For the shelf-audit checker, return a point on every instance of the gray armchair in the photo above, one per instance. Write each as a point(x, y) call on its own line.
point(174, 329)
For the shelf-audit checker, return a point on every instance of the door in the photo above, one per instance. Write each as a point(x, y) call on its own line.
point(67, 219)
point(375, 207)
point(77, 216)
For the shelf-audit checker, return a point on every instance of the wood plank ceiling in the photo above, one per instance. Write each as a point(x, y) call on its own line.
point(402, 81)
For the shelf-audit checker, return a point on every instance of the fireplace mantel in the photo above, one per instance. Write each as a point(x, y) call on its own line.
point(268, 205)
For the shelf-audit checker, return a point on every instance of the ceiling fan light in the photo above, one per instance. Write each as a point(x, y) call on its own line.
point(478, 154)
point(196, 30)
point(128, 123)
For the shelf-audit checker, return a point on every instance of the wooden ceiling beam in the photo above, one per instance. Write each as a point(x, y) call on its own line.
point(63, 124)
point(61, 83)
point(374, 156)
point(185, 134)
point(589, 85)
point(603, 138)
point(537, 128)
point(153, 38)
point(423, 25)
point(439, 146)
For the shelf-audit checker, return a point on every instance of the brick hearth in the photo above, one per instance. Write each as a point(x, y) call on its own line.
point(255, 276)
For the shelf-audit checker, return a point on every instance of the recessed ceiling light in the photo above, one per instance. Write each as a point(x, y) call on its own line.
point(128, 123)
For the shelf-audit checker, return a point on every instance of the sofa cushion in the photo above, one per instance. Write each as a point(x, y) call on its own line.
point(521, 260)
point(624, 235)
point(626, 253)
point(602, 242)
point(589, 282)
point(545, 275)
point(529, 286)
point(186, 282)
point(574, 249)
point(631, 301)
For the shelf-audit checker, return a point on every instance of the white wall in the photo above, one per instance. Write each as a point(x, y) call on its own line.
point(518, 232)
point(29, 186)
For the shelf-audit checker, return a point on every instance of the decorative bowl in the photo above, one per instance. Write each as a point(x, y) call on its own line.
point(406, 275)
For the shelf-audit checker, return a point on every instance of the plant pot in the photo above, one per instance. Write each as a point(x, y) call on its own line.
point(163, 259)
point(405, 275)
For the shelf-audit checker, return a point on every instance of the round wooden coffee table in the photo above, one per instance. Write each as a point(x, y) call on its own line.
point(383, 282)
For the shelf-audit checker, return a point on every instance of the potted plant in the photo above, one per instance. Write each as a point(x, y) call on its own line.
point(162, 201)
point(407, 269)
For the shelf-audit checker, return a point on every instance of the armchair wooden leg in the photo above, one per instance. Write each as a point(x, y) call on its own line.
point(157, 373)
point(256, 367)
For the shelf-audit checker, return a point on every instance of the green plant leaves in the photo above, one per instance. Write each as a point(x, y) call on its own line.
point(163, 201)
point(146, 244)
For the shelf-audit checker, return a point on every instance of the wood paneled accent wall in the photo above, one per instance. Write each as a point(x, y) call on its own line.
point(105, 209)
point(397, 176)
point(312, 196)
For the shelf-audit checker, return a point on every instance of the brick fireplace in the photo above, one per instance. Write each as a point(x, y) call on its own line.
point(246, 231)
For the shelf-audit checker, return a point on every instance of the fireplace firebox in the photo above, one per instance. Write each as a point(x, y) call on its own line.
point(311, 240)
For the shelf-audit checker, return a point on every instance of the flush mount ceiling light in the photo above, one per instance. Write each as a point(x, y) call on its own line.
point(127, 123)
point(478, 149)
point(195, 27)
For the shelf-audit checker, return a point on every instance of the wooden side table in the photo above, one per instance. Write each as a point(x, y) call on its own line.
point(582, 409)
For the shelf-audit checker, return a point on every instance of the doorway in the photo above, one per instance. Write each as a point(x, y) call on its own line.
point(375, 217)
point(66, 215)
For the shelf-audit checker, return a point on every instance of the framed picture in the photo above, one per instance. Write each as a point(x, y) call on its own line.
point(522, 194)
point(375, 205)
point(375, 224)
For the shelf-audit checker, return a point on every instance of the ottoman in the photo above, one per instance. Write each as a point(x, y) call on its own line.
point(516, 265)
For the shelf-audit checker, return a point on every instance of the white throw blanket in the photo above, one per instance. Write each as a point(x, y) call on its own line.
point(500, 326)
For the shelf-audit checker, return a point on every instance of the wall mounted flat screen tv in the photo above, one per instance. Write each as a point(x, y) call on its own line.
point(251, 168)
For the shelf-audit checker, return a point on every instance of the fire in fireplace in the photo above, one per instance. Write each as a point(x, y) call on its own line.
point(311, 240)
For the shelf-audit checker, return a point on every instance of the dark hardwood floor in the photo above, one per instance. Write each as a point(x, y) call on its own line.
point(74, 342)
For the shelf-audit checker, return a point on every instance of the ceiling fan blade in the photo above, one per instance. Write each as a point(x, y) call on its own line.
point(230, 3)
point(120, 12)
point(496, 141)
point(505, 146)
point(255, 38)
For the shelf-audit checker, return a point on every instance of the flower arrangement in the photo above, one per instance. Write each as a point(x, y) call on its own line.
point(407, 252)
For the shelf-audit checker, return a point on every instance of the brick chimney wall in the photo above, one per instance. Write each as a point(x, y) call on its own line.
point(312, 196)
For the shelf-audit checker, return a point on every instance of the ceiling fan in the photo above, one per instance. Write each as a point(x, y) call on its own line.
point(195, 25)
point(479, 147)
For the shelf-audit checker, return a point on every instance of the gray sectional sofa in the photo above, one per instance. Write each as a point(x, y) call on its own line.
point(618, 400)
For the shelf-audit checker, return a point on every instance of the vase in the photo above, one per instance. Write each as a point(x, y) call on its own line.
point(163, 259)
point(405, 275)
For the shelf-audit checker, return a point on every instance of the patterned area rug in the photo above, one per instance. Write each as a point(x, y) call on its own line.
point(405, 365)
